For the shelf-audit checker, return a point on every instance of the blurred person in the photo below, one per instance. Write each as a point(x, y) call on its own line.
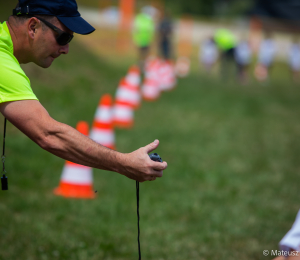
point(266, 56)
point(290, 244)
point(165, 32)
point(143, 33)
point(293, 255)
point(39, 32)
point(294, 60)
point(208, 54)
point(226, 42)
point(243, 54)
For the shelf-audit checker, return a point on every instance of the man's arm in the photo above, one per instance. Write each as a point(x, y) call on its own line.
point(32, 119)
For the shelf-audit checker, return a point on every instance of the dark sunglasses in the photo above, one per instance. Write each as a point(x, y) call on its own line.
point(62, 38)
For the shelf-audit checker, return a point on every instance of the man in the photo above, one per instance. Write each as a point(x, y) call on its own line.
point(39, 32)
point(143, 33)
point(165, 30)
point(226, 42)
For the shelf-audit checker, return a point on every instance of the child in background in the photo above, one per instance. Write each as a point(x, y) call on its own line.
point(266, 55)
point(294, 60)
point(242, 55)
point(208, 54)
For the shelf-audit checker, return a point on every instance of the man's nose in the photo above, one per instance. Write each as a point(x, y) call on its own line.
point(64, 49)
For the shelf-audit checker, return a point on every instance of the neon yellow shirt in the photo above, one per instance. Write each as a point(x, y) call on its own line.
point(225, 39)
point(143, 31)
point(14, 84)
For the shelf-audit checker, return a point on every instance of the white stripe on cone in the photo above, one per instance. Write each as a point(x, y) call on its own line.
point(167, 77)
point(133, 79)
point(128, 95)
point(104, 114)
point(77, 175)
point(102, 130)
point(103, 136)
point(123, 113)
point(150, 89)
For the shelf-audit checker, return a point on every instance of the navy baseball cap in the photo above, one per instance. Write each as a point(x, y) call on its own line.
point(65, 11)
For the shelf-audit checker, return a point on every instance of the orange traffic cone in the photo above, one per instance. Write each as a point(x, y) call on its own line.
point(151, 85)
point(150, 89)
point(128, 93)
point(167, 76)
point(123, 115)
point(76, 180)
point(133, 76)
point(102, 131)
point(152, 68)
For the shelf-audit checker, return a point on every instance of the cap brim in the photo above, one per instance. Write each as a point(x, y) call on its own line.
point(77, 24)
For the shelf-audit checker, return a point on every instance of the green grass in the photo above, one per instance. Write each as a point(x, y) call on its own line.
point(230, 191)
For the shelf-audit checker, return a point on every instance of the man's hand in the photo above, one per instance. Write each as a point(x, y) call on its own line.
point(140, 167)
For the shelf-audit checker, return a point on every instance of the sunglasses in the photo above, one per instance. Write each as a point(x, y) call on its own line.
point(62, 38)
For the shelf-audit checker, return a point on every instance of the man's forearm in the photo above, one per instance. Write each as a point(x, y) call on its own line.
point(64, 141)
point(69, 144)
point(60, 139)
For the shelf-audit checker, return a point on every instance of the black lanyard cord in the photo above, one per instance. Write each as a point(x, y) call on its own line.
point(4, 178)
point(4, 134)
point(153, 157)
point(138, 215)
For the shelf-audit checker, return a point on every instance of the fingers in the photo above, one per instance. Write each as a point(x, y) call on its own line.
point(157, 174)
point(152, 178)
point(158, 166)
point(150, 147)
point(141, 168)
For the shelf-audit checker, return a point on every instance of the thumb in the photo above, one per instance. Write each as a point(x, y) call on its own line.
point(150, 147)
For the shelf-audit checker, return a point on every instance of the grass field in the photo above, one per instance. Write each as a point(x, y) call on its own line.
point(231, 189)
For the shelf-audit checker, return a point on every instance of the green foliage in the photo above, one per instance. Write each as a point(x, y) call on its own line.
point(6, 8)
point(176, 7)
point(193, 7)
point(209, 8)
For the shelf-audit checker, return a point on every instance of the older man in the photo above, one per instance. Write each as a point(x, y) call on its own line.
point(39, 32)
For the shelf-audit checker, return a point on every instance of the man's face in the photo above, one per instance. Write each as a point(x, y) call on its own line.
point(45, 47)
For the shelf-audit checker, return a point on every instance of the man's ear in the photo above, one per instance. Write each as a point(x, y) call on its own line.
point(32, 25)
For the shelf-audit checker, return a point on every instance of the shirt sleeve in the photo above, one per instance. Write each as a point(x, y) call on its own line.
point(14, 84)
